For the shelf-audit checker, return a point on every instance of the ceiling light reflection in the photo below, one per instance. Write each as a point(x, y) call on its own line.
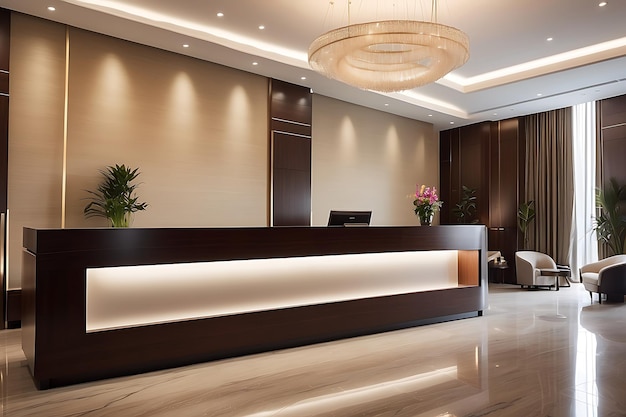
point(339, 400)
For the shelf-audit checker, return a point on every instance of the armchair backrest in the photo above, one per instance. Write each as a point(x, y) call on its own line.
point(596, 267)
point(528, 264)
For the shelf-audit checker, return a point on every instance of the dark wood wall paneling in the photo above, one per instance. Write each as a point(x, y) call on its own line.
point(464, 155)
point(612, 118)
point(506, 174)
point(290, 132)
point(5, 42)
point(488, 157)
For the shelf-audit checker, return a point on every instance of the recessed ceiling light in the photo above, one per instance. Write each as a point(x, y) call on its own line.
point(255, 63)
point(430, 115)
point(451, 123)
point(602, 4)
point(539, 94)
point(261, 27)
point(495, 114)
point(51, 8)
point(303, 78)
point(550, 39)
point(185, 45)
point(220, 14)
point(386, 104)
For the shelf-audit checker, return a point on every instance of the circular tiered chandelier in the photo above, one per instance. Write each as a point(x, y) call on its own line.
point(390, 55)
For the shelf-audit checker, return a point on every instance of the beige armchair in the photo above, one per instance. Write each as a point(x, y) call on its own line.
point(536, 269)
point(607, 276)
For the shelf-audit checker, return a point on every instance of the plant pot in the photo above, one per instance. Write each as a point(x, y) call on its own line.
point(426, 220)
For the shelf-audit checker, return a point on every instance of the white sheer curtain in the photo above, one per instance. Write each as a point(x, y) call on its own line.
point(585, 244)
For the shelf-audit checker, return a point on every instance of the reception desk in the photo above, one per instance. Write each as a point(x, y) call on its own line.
point(99, 303)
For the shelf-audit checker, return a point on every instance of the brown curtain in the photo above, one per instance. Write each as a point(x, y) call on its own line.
point(550, 182)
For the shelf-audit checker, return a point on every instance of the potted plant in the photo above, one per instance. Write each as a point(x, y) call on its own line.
point(426, 202)
point(115, 197)
point(611, 221)
point(466, 208)
point(525, 215)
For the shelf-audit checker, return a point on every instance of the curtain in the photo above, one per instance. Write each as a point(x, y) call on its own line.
point(584, 241)
point(550, 182)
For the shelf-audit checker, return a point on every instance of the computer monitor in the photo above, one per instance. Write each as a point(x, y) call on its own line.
point(349, 218)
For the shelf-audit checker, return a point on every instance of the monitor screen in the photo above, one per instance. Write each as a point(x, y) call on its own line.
point(349, 218)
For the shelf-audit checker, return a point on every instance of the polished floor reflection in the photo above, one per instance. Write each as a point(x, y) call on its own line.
point(533, 353)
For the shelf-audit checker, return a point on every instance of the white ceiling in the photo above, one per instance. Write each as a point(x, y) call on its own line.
point(513, 69)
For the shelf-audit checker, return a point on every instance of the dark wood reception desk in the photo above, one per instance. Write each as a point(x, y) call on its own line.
point(99, 303)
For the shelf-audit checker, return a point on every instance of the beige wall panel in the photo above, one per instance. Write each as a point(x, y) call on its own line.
point(35, 131)
point(363, 159)
point(197, 131)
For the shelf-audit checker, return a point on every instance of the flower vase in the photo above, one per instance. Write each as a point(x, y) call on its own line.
point(426, 219)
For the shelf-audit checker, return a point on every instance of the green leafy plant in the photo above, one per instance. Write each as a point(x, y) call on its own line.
point(466, 208)
point(525, 215)
point(115, 197)
point(611, 220)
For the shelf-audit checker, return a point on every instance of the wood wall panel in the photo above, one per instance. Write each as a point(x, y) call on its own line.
point(291, 102)
point(614, 153)
point(509, 171)
point(469, 166)
point(445, 177)
point(290, 132)
point(5, 45)
point(5, 41)
point(612, 117)
point(291, 199)
point(488, 157)
point(613, 111)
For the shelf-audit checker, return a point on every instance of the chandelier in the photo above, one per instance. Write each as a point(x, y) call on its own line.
point(390, 55)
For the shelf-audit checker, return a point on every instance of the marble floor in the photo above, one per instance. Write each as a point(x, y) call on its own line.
point(533, 353)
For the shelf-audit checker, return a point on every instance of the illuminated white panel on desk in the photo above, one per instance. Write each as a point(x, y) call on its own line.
point(129, 296)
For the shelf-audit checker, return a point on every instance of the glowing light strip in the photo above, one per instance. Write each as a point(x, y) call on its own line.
point(128, 296)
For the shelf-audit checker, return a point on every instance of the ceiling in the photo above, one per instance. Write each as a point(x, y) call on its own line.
point(513, 68)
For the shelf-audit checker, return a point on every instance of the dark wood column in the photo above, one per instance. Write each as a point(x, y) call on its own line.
point(290, 147)
point(5, 38)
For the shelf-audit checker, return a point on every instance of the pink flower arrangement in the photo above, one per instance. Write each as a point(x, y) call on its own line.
point(426, 203)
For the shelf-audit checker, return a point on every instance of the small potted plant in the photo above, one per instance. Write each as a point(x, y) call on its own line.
point(466, 208)
point(115, 197)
